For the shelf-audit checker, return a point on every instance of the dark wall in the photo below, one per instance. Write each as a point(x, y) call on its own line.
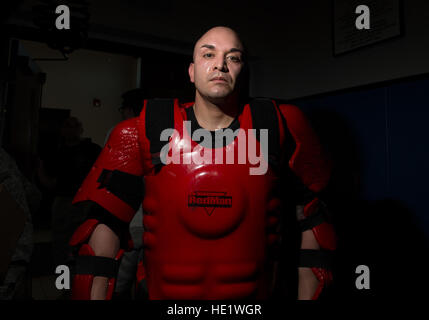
point(379, 143)
point(4, 55)
point(165, 75)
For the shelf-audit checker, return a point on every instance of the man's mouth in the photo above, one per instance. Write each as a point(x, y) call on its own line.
point(218, 79)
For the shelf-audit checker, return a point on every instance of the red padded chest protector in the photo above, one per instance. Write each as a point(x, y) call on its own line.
point(205, 224)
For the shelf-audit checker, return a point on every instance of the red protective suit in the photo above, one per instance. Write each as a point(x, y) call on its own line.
point(209, 227)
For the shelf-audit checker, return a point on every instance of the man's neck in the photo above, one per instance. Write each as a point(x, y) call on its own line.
point(212, 115)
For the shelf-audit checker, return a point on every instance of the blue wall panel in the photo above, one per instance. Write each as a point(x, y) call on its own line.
point(378, 138)
point(388, 126)
point(409, 146)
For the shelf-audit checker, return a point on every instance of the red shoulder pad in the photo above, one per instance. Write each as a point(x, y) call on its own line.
point(144, 141)
point(122, 152)
point(309, 162)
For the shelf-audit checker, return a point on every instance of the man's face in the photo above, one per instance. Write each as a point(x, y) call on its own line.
point(71, 129)
point(218, 61)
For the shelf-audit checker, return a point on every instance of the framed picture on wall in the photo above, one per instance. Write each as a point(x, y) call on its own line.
point(358, 23)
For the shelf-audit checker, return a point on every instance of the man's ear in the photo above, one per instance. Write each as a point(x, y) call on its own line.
point(191, 72)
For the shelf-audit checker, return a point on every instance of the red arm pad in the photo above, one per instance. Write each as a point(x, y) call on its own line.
point(82, 283)
point(308, 162)
point(122, 152)
point(83, 232)
point(324, 232)
point(313, 167)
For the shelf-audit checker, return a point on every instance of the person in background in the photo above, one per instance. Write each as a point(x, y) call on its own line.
point(15, 284)
point(64, 172)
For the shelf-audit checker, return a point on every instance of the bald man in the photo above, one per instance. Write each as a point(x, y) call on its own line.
point(212, 202)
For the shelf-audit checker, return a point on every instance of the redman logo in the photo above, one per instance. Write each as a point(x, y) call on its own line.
point(209, 200)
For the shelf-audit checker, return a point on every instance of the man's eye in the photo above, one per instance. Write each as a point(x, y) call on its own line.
point(208, 55)
point(234, 58)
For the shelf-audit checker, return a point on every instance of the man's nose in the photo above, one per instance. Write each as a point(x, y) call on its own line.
point(220, 64)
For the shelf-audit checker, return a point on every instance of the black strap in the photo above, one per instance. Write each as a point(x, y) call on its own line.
point(97, 266)
point(315, 259)
point(264, 116)
point(159, 116)
point(127, 187)
point(312, 221)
